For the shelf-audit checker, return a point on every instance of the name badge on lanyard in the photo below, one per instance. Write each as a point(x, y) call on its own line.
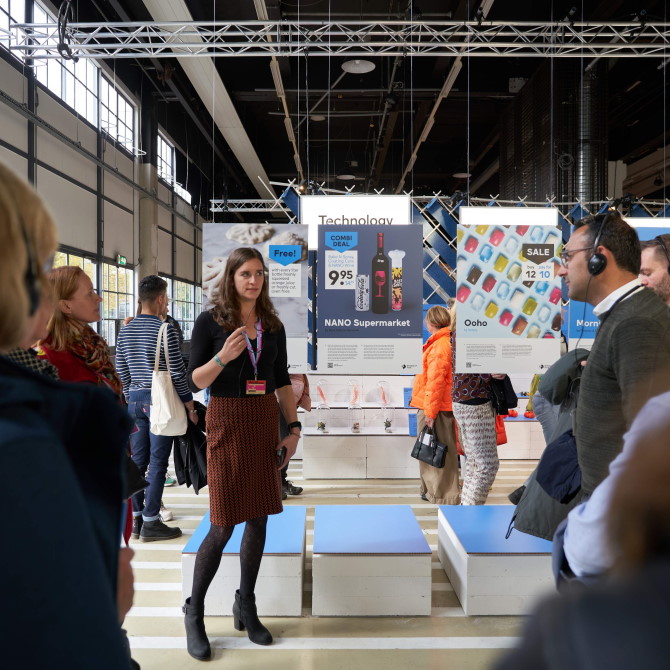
point(255, 386)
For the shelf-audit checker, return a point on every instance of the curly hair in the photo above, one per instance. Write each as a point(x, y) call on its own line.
point(226, 310)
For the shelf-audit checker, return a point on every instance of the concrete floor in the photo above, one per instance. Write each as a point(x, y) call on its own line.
point(446, 639)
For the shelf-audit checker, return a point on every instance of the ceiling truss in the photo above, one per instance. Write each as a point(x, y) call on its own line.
point(351, 39)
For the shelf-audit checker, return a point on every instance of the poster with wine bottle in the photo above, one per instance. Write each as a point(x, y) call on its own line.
point(369, 299)
point(508, 292)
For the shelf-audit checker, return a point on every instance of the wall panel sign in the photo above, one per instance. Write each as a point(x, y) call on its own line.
point(284, 248)
point(507, 290)
point(582, 322)
point(352, 210)
point(369, 300)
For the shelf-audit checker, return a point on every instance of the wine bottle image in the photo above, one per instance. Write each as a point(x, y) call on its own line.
point(380, 279)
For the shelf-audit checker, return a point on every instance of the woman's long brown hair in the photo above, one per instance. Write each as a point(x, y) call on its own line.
point(61, 328)
point(226, 310)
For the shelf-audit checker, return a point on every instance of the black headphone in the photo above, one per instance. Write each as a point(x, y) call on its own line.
point(659, 240)
point(597, 263)
point(33, 286)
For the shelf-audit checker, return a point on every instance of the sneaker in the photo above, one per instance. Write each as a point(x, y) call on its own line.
point(152, 531)
point(137, 527)
point(165, 514)
point(169, 480)
point(291, 489)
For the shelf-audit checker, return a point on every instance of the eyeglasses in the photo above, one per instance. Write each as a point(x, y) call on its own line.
point(566, 255)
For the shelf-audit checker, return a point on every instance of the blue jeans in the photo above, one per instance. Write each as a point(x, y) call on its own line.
point(148, 451)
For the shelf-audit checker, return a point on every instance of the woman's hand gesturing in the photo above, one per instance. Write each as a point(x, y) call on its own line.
point(233, 346)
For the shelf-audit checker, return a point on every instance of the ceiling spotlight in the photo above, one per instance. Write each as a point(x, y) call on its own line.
point(317, 117)
point(461, 175)
point(358, 66)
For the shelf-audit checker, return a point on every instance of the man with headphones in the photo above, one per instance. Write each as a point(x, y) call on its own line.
point(655, 266)
point(630, 358)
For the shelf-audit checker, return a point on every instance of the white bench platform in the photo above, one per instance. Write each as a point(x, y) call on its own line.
point(280, 580)
point(491, 574)
point(370, 560)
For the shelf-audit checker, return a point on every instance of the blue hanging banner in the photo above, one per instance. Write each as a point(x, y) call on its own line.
point(285, 254)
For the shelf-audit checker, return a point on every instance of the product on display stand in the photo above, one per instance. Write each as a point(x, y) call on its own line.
point(387, 415)
point(322, 409)
point(355, 411)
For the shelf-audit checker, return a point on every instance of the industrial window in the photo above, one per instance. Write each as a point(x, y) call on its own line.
point(118, 299)
point(75, 83)
point(166, 170)
point(117, 115)
point(11, 11)
point(185, 303)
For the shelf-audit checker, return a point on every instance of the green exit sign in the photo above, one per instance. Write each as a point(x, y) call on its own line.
point(121, 260)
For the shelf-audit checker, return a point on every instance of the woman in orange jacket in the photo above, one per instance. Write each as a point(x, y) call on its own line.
point(432, 396)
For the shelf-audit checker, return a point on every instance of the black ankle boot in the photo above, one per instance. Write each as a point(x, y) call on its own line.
point(246, 616)
point(197, 643)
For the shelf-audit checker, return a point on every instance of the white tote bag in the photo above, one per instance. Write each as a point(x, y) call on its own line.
point(168, 414)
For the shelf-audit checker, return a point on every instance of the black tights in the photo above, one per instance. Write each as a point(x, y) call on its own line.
point(208, 558)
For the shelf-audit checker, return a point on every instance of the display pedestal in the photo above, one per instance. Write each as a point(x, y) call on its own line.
point(491, 574)
point(525, 439)
point(370, 561)
point(365, 455)
point(280, 580)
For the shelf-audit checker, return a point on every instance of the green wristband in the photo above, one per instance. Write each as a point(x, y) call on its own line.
point(218, 361)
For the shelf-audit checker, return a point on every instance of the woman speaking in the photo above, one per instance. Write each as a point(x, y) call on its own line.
point(238, 349)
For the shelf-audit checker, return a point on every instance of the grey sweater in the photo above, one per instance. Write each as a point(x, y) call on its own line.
point(629, 363)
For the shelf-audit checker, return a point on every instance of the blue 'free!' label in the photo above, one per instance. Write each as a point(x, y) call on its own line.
point(341, 241)
point(285, 254)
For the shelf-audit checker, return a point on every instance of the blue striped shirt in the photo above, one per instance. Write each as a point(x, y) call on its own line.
point(136, 351)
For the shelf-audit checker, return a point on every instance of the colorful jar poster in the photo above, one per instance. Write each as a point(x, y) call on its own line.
point(284, 249)
point(582, 322)
point(369, 299)
point(508, 294)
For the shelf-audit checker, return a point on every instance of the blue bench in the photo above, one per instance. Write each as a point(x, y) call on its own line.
point(280, 580)
point(370, 560)
point(491, 574)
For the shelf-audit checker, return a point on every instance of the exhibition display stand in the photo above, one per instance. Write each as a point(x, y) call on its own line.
point(280, 580)
point(491, 574)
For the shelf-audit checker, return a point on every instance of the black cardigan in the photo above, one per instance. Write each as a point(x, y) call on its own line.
point(207, 339)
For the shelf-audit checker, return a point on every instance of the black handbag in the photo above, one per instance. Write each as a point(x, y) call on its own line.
point(428, 449)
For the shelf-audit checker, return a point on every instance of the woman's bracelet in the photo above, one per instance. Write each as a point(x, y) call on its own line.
point(218, 361)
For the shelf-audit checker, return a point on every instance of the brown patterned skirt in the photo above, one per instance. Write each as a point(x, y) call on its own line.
point(242, 437)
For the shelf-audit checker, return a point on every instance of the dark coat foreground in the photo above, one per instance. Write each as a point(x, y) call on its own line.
point(612, 626)
point(62, 458)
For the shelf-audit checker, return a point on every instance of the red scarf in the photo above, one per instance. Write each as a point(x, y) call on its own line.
point(92, 349)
